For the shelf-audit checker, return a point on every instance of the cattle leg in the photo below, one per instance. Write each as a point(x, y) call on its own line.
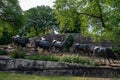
point(93, 56)
point(100, 60)
point(109, 60)
point(43, 50)
point(88, 53)
point(76, 51)
point(113, 61)
point(104, 60)
point(53, 49)
point(48, 52)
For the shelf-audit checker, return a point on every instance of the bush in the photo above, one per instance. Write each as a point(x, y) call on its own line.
point(3, 52)
point(5, 38)
point(77, 59)
point(18, 53)
point(116, 50)
point(69, 43)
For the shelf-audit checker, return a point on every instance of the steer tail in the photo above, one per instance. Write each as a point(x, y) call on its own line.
point(93, 54)
point(117, 58)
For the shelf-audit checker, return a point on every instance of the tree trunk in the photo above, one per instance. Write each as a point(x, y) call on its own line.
point(101, 15)
point(36, 31)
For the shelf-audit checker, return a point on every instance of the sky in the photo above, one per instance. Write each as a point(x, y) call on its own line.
point(27, 4)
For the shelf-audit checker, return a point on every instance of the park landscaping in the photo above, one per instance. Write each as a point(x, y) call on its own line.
point(54, 64)
point(73, 32)
point(47, 57)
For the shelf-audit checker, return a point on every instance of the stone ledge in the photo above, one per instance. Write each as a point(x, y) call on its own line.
point(56, 68)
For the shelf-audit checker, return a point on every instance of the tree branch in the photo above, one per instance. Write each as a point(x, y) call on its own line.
point(91, 15)
point(101, 14)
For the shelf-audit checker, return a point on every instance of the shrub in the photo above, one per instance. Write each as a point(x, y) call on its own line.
point(3, 52)
point(5, 38)
point(65, 59)
point(77, 59)
point(18, 53)
point(69, 43)
point(116, 50)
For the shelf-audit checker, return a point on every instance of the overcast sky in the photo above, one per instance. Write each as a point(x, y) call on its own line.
point(27, 4)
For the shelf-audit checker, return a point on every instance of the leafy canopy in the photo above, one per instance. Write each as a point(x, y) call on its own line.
point(10, 15)
point(69, 21)
point(39, 18)
point(98, 18)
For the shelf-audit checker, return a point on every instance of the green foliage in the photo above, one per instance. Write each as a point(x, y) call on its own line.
point(96, 18)
point(39, 19)
point(78, 59)
point(18, 53)
point(70, 59)
point(116, 42)
point(99, 19)
point(3, 52)
point(5, 38)
point(14, 76)
point(69, 43)
point(42, 57)
point(11, 13)
point(66, 16)
point(116, 49)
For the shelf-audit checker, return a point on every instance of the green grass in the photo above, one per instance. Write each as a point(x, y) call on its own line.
point(64, 58)
point(3, 52)
point(78, 59)
point(42, 57)
point(12, 76)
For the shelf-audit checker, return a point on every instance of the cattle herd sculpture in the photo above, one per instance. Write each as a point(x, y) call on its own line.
point(20, 41)
point(57, 46)
point(45, 45)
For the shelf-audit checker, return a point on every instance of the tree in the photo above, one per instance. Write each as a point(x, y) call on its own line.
point(97, 17)
point(5, 37)
point(39, 18)
point(69, 21)
point(11, 19)
point(10, 14)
